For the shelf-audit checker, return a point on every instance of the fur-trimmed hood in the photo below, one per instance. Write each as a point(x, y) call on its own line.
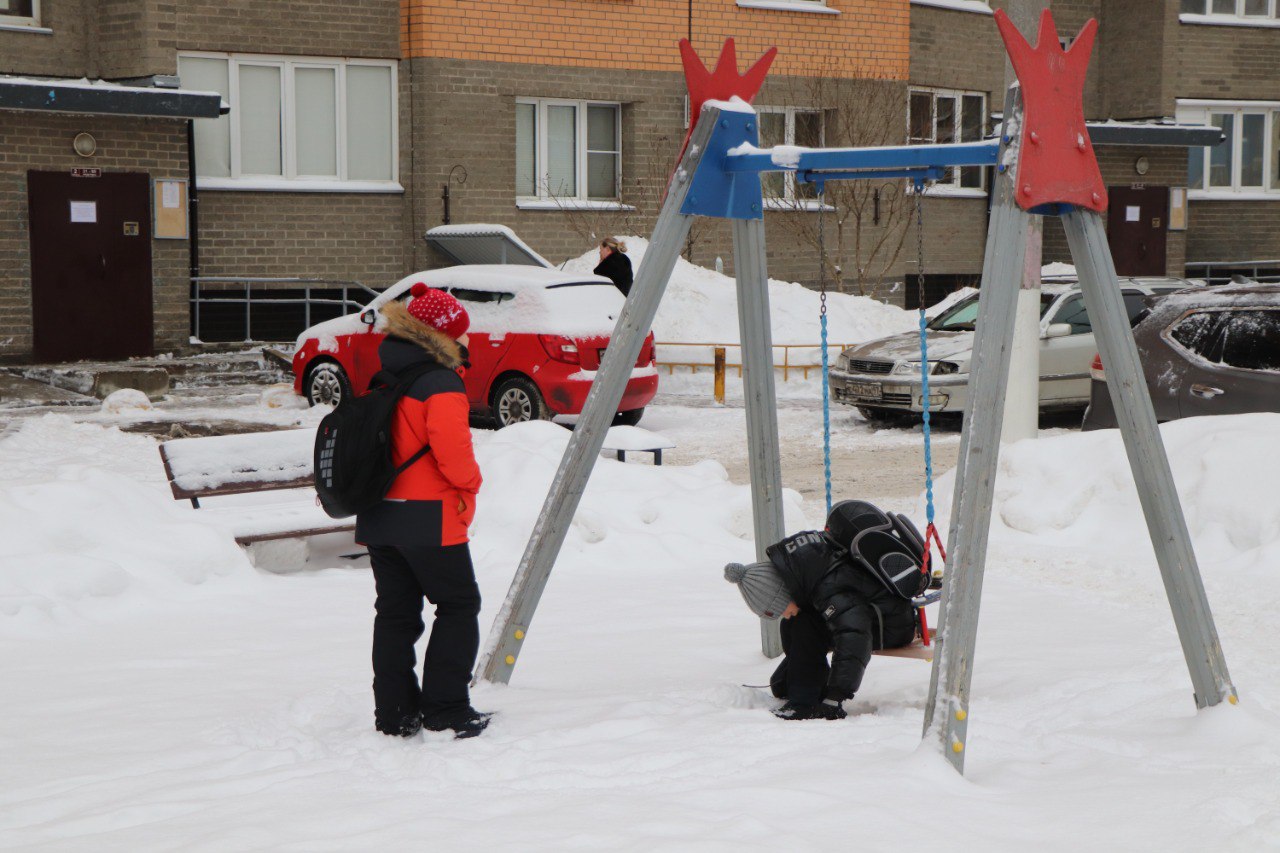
point(399, 323)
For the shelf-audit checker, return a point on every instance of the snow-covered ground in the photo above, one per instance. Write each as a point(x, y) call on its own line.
point(162, 693)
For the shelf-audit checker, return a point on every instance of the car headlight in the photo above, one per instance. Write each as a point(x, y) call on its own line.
point(945, 368)
point(842, 363)
point(906, 368)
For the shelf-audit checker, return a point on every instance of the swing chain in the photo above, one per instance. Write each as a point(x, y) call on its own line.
point(822, 320)
point(931, 530)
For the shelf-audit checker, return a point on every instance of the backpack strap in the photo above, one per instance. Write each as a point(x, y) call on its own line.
point(400, 383)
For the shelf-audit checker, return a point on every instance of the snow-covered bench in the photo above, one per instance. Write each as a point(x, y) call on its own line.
point(624, 439)
point(250, 463)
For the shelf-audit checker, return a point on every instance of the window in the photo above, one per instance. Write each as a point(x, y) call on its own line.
point(1247, 162)
point(1074, 312)
point(788, 126)
point(1198, 334)
point(1251, 340)
point(941, 117)
point(1243, 11)
point(19, 13)
point(568, 150)
point(296, 123)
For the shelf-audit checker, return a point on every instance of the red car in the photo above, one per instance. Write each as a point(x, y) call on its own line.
point(536, 339)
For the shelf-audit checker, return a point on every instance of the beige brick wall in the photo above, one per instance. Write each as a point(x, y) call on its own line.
point(42, 142)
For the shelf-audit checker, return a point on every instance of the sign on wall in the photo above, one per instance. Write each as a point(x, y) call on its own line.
point(169, 206)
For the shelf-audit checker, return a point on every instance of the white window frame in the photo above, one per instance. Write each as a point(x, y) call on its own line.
point(789, 200)
point(289, 180)
point(544, 199)
point(950, 187)
point(1191, 111)
point(25, 23)
point(1270, 18)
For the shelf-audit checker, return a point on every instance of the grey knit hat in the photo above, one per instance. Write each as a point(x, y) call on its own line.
point(761, 587)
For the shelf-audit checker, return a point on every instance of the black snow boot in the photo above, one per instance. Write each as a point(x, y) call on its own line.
point(469, 723)
point(407, 726)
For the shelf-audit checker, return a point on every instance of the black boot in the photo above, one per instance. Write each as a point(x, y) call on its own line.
point(469, 723)
point(406, 726)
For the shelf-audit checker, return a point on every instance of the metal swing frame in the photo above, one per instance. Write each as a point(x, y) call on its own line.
point(719, 175)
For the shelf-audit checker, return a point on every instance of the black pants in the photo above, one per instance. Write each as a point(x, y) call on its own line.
point(403, 577)
point(802, 676)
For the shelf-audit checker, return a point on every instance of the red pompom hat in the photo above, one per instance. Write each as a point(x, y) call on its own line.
point(439, 310)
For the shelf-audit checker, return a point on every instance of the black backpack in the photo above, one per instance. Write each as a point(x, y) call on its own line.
point(353, 464)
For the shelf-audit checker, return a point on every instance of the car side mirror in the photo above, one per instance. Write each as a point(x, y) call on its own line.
point(369, 317)
point(1058, 330)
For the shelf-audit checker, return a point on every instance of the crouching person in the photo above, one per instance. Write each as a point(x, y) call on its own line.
point(417, 536)
point(846, 590)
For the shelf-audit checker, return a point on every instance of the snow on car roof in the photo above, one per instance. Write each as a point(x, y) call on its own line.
point(494, 278)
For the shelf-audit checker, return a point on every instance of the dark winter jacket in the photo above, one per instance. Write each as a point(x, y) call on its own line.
point(859, 610)
point(433, 501)
point(616, 267)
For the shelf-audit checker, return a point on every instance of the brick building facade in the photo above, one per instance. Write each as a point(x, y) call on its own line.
point(347, 128)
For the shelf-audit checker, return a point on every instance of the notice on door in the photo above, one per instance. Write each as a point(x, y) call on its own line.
point(84, 211)
point(1132, 213)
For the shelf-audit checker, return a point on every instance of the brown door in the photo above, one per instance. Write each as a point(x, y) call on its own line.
point(90, 265)
point(1137, 222)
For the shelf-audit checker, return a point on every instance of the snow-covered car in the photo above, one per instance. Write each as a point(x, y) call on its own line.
point(882, 377)
point(1212, 351)
point(536, 339)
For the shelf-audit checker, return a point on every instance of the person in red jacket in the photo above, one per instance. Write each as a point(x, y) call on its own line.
point(417, 536)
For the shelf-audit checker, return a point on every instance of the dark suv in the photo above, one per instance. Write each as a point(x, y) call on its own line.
point(1209, 351)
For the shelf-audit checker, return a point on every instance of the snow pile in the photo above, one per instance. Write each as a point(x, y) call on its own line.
point(85, 515)
point(701, 306)
point(126, 400)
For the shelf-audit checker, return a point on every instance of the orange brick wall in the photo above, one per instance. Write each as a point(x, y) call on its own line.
point(869, 38)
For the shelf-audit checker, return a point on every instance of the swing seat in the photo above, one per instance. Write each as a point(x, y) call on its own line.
point(917, 650)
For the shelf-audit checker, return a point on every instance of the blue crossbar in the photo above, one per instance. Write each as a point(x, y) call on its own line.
point(850, 161)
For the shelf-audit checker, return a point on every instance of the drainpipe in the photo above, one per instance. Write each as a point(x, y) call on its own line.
point(193, 230)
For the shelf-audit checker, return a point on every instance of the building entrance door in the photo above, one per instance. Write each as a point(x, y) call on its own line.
point(90, 265)
point(1137, 224)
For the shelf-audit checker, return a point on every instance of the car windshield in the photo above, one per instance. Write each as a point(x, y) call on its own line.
point(962, 316)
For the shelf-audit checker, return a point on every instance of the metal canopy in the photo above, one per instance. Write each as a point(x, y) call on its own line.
point(483, 244)
point(1147, 135)
point(102, 98)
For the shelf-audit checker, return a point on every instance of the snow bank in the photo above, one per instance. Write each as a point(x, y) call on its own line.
point(1074, 493)
point(85, 517)
point(701, 306)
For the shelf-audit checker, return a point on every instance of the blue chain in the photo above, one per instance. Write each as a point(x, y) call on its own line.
point(924, 354)
point(822, 316)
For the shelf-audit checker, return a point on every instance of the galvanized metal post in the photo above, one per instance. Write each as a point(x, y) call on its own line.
point(763, 454)
point(1147, 459)
point(513, 619)
point(947, 711)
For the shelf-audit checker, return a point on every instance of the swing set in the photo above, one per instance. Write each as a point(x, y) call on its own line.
point(1045, 166)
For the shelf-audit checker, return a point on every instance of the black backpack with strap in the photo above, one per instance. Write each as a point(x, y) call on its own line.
point(354, 468)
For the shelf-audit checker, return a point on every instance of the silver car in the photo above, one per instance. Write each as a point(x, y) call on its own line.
point(882, 377)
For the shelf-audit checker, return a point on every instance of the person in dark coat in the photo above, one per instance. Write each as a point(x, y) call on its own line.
point(614, 264)
point(417, 536)
point(837, 591)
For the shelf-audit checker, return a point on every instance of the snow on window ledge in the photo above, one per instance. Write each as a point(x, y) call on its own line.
point(26, 28)
point(811, 6)
point(1223, 20)
point(569, 204)
point(269, 185)
point(797, 206)
point(1233, 195)
point(979, 6)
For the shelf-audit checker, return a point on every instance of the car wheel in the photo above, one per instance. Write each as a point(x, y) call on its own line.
point(630, 418)
point(517, 400)
point(327, 384)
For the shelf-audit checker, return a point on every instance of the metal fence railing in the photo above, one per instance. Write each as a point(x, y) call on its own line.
point(224, 306)
point(795, 357)
point(1222, 272)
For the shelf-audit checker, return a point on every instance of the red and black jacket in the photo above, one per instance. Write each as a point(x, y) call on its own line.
point(433, 502)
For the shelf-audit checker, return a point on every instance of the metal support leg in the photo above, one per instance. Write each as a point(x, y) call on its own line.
point(763, 454)
point(947, 711)
point(512, 622)
point(1147, 459)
